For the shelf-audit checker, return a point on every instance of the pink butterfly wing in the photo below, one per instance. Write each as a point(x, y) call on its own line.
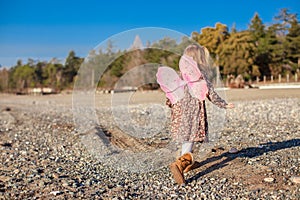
point(198, 89)
point(191, 73)
point(170, 83)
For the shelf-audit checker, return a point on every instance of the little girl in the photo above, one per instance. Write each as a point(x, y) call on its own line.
point(185, 96)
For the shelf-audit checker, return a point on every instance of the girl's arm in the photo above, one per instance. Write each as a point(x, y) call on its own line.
point(214, 97)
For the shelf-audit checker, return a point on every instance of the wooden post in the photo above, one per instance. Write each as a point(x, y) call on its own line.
point(265, 79)
point(288, 78)
point(271, 78)
point(93, 77)
point(296, 77)
point(218, 76)
point(279, 78)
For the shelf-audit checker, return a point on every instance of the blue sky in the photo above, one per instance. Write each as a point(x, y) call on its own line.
point(46, 29)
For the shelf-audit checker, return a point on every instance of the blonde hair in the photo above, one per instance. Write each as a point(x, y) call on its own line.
point(199, 54)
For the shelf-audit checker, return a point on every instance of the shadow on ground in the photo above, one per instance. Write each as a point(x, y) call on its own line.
point(249, 152)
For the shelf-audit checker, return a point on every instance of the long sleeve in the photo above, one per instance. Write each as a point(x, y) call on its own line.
point(213, 95)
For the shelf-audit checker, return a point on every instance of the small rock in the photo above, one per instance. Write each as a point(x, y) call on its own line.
point(233, 150)
point(295, 179)
point(269, 170)
point(55, 175)
point(4, 178)
point(235, 183)
point(41, 184)
point(56, 193)
point(65, 184)
point(223, 180)
point(88, 183)
point(7, 109)
point(269, 180)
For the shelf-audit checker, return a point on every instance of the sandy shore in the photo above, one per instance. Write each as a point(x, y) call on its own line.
point(148, 97)
point(44, 155)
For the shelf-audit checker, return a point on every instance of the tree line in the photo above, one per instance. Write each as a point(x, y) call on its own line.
point(40, 74)
point(261, 50)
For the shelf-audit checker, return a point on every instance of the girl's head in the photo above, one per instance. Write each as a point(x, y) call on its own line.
point(198, 53)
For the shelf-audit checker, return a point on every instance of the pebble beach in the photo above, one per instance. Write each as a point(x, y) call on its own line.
point(45, 156)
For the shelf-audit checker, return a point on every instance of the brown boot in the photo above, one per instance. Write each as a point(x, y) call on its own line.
point(195, 165)
point(177, 168)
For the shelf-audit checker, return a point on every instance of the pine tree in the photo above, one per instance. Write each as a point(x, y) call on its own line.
point(293, 44)
point(71, 67)
point(261, 56)
point(236, 53)
point(212, 38)
point(257, 27)
point(282, 53)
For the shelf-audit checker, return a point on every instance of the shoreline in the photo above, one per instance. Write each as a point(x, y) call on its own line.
point(141, 97)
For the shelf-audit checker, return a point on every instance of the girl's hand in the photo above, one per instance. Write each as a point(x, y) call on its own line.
point(229, 105)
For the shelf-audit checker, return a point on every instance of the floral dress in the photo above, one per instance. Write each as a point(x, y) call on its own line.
point(188, 116)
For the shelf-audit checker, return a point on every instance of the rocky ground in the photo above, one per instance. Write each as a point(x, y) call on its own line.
point(45, 156)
